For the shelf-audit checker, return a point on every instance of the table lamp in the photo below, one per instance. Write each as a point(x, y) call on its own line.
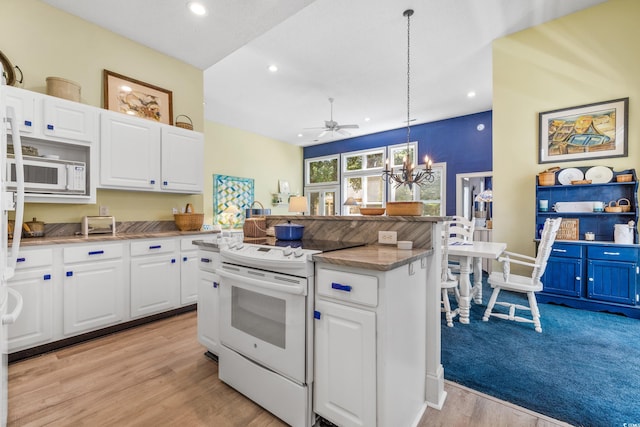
point(298, 204)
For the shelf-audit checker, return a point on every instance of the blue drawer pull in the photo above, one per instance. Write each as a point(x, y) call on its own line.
point(50, 127)
point(153, 181)
point(155, 247)
point(27, 122)
point(69, 273)
point(165, 183)
point(316, 314)
point(216, 284)
point(21, 260)
point(339, 287)
point(96, 252)
point(184, 258)
point(173, 260)
point(205, 260)
point(47, 277)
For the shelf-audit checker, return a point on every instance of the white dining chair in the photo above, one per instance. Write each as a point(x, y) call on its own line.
point(528, 285)
point(448, 282)
point(460, 231)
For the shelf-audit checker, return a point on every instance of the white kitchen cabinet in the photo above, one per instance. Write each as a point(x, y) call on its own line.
point(138, 154)
point(35, 281)
point(69, 120)
point(188, 271)
point(208, 300)
point(155, 276)
point(129, 152)
point(345, 364)
point(94, 287)
point(24, 106)
point(182, 160)
point(370, 345)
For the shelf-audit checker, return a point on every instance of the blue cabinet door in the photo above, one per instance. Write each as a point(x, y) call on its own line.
point(563, 276)
point(612, 281)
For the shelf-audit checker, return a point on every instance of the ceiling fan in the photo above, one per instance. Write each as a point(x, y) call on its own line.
point(333, 126)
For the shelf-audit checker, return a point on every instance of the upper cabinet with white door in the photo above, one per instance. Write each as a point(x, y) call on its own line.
point(129, 152)
point(139, 154)
point(53, 119)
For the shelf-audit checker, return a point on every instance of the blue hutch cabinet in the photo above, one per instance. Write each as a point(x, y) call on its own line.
point(598, 275)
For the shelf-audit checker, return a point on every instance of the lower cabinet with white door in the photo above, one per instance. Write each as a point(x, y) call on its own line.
point(35, 280)
point(188, 271)
point(155, 276)
point(208, 300)
point(370, 345)
point(94, 287)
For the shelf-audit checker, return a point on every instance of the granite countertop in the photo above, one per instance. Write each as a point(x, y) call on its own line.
point(372, 257)
point(59, 240)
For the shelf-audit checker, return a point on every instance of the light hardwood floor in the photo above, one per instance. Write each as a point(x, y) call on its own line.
point(157, 375)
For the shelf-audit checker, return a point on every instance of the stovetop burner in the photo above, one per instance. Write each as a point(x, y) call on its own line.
point(317, 245)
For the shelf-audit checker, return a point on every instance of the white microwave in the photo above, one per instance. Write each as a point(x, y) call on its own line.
point(49, 175)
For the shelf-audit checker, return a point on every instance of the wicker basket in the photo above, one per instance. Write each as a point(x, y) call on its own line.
point(568, 230)
point(613, 207)
point(183, 124)
point(404, 208)
point(63, 88)
point(627, 177)
point(255, 227)
point(189, 221)
point(626, 207)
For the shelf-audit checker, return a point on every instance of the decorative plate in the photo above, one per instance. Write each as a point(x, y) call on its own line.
point(565, 176)
point(599, 174)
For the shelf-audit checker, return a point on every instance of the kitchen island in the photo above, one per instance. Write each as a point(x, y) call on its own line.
point(400, 299)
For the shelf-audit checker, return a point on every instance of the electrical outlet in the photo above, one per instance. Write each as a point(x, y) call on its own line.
point(104, 210)
point(388, 237)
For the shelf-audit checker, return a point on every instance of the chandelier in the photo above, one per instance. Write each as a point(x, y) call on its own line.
point(409, 175)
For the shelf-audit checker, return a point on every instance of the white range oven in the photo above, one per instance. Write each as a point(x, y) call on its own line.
point(266, 325)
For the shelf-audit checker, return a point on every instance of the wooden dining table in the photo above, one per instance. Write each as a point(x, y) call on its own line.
point(471, 255)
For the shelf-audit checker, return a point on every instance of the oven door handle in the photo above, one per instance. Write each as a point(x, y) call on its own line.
point(289, 289)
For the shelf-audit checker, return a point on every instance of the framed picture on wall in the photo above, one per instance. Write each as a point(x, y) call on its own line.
point(593, 131)
point(137, 98)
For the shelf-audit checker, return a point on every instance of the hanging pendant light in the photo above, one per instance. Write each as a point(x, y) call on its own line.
point(409, 175)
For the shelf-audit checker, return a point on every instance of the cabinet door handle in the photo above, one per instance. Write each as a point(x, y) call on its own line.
point(611, 253)
point(205, 260)
point(173, 260)
point(49, 127)
point(339, 287)
point(47, 277)
point(27, 123)
point(155, 247)
point(153, 181)
point(316, 314)
point(591, 279)
point(165, 183)
point(69, 273)
point(559, 250)
point(21, 260)
point(216, 284)
point(96, 252)
point(184, 258)
point(578, 278)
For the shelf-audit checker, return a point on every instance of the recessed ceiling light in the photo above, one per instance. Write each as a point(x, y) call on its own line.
point(273, 68)
point(366, 119)
point(300, 135)
point(197, 8)
point(471, 94)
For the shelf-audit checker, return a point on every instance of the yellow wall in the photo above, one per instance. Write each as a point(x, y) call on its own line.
point(44, 41)
point(589, 56)
point(238, 153)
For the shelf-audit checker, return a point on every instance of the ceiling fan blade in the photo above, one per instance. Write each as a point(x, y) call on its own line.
point(348, 127)
point(343, 132)
point(321, 127)
point(323, 133)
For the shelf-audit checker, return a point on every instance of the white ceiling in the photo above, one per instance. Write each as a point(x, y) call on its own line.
point(352, 50)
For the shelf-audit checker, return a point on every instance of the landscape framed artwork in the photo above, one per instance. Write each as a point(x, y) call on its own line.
point(593, 131)
point(137, 98)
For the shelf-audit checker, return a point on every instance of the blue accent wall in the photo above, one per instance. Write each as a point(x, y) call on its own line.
point(456, 141)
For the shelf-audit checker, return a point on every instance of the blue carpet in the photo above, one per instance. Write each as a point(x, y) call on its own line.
point(584, 368)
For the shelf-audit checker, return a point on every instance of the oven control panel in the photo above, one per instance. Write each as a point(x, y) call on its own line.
point(274, 258)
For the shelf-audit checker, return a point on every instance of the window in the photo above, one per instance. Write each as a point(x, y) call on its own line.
point(361, 178)
point(322, 171)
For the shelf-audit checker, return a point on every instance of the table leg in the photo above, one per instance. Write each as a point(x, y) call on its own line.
point(465, 289)
point(477, 280)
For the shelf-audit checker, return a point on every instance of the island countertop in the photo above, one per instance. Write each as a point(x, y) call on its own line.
point(372, 257)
